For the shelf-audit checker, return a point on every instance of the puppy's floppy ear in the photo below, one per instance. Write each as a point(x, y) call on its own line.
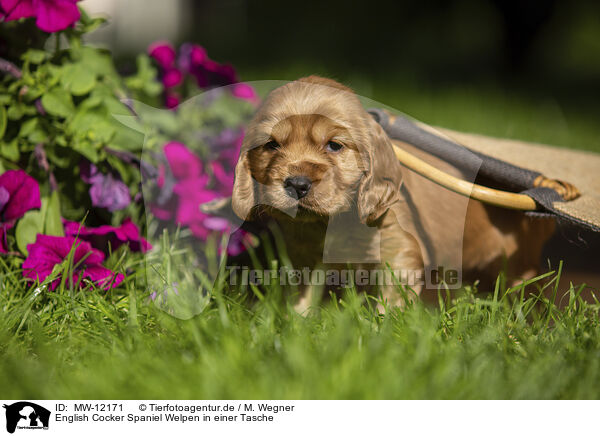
point(242, 198)
point(380, 185)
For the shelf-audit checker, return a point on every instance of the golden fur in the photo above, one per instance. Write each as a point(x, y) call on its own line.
point(356, 210)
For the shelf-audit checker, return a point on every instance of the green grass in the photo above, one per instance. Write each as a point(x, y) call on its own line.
point(98, 345)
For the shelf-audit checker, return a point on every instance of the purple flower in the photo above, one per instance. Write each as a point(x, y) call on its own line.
point(163, 53)
point(107, 191)
point(48, 251)
point(100, 237)
point(19, 193)
point(51, 15)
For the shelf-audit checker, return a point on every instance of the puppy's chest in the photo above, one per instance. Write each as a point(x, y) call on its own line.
point(304, 242)
point(341, 240)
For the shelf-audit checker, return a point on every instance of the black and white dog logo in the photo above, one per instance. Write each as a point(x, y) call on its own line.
point(26, 415)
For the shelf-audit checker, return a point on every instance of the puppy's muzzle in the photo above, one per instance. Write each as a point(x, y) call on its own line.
point(297, 186)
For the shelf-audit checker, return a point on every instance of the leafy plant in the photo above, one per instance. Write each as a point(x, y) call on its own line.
point(71, 121)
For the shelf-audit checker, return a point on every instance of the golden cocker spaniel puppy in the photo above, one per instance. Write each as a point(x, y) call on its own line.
point(316, 163)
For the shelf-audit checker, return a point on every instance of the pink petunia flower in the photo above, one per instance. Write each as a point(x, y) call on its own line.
point(191, 194)
point(223, 178)
point(100, 237)
point(244, 91)
point(51, 15)
point(172, 77)
point(197, 55)
point(19, 192)
point(48, 251)
point(236, 245)
point(183, 163)
point(185, 188)
point(171, 100)
point(163, 52)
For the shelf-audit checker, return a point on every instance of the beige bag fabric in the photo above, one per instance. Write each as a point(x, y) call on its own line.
point(580, 168)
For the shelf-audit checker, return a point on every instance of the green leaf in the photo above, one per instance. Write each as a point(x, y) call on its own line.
point(78, 79)
point(92, 101)
point(28, 228)
point(145, 77)
point(28, 127)
point(15, 112)
point(93, 124)
point(95, 60)
point(3, 121)
point(37, 136)
point(58, 102)
point(10, 150)
point(86, 148)
point(52, 222)
point(35, 56)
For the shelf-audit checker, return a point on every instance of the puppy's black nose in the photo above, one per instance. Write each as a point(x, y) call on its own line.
point(297, 186)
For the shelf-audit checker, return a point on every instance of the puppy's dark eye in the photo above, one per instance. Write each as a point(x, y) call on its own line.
point(273, 145)
point(334, 146)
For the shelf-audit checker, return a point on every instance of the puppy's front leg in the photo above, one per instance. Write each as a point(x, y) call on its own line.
point(402, 252)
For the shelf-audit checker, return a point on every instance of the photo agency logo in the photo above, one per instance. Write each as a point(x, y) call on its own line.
point(25, 415)
point(223, 179)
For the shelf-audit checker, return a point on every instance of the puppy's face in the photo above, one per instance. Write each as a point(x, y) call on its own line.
point(307, 165)
point(311, 152)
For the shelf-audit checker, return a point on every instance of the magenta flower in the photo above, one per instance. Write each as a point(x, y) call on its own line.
point(245, 92)
point(194, 61)
point(211, 73)
point(171, 100)
point(172, 77)
point(223, 178)
point(227, 147)
point(163, 52)
point(19, 193)
point(183, 163)
point(197, 55)
point(51, 15)
point(49, 251)
point(191, 194)
point(236, 242)
point(100, 237)
point(107, 190)
point(185, 188)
